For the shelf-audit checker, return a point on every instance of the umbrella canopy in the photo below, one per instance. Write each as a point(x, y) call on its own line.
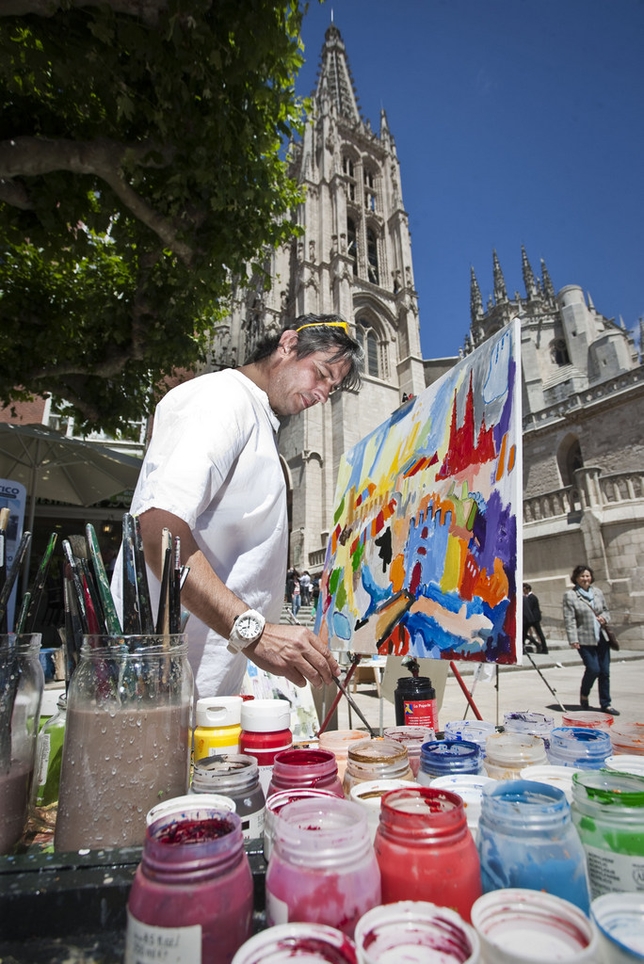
point(53, 466)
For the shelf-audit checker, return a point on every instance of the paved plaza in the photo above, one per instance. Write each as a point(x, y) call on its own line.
point(517, 689)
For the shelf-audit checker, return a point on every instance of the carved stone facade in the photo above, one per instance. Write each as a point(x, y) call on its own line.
point(352, 258)
point(583, 445)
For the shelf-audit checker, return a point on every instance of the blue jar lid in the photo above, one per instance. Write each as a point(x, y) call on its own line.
point(440, 757)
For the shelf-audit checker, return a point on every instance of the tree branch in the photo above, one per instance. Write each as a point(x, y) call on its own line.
point(103, 158)
point(146, 10)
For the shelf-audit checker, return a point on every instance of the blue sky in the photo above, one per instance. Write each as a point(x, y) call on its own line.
point(516, 122)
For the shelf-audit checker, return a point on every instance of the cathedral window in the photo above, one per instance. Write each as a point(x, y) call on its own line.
point(352, 249)
point(349, 170)
point(372, 257)
point(369, 190)
point(368, 341)
point(559, 351)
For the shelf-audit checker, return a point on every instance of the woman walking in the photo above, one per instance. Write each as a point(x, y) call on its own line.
point(585, 614)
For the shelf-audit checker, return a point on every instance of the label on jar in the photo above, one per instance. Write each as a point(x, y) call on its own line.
point(252, 824)
point(147, 944)
point(610, 872)
point(420, 713)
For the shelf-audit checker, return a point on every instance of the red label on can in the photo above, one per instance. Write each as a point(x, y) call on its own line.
point(421, 713)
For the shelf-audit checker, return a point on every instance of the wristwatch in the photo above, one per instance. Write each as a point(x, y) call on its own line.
point(246, 630)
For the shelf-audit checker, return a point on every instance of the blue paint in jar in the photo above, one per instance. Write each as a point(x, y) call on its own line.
point(440, 758)
point(526, 838)
point(580, 747)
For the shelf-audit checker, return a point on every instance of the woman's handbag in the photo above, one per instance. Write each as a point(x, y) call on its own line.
point(613, 641)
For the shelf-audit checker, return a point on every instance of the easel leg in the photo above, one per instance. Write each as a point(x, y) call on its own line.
point(468, 695)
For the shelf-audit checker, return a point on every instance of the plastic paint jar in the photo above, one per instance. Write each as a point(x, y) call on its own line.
point(379, 759)
point(369, 795)
point(323, 868)
point(425, 849)
point(415, 702)
point(535, 724)
point(474, 731)
point(517, 926)
point(218, 726)
point(416, 932)
point(441, 758)
point(412, 738)
point(554, 776)
point(590, 718)
point(186, 806)
point(608, 812)
point(266, 731)
point(506, 754)
point(579, 747)
point(469, 787)
point(309, 943)
point(299, 768)
point(338, 742)
point(626, 763)
point(278, 800)
point(192, 891)
point(628, 738)
point(619, 918)
point(234, 775)
point(526, 839)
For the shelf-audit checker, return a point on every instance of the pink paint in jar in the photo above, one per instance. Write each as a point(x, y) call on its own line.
point(192, 891)
point(323, 868)
point(425, 849)
point(298, 768)
point(309, 943)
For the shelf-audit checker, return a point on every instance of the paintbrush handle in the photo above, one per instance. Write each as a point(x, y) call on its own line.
point(39, 582)
point(112, 622)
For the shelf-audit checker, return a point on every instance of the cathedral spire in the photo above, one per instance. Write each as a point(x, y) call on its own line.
point(528, 276)
point(546, 283)
point(476, 302)
point(500, 291)
point(335, 80)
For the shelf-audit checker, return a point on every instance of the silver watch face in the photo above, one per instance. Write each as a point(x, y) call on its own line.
point(248, 626)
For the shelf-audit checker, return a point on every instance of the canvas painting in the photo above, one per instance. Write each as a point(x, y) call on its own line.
point(425, 547)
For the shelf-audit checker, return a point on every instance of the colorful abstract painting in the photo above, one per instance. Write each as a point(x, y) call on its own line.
point(425, 546)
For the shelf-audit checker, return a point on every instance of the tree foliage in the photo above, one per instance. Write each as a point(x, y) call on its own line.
point(139, 169)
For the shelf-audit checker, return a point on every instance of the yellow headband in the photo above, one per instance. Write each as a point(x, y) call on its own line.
point(325, 324)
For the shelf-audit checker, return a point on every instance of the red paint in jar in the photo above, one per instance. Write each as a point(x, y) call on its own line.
point(425, 849)
point(193, 890)
point(265, 731)
point(294, 769)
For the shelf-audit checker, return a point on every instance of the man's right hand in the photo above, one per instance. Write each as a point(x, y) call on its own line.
point(294, 652)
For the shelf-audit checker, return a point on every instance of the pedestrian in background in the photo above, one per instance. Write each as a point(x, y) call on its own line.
point(585, 614)
point(532, 618)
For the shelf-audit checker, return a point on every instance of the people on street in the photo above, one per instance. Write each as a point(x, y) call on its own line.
point(532, 619)
point(585, 614)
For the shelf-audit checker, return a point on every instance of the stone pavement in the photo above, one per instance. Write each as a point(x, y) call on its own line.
point(519, 688)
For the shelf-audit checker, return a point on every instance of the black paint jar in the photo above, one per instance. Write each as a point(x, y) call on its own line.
point(415, 702)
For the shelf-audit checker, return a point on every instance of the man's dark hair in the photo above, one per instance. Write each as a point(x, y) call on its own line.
point(577, 571)
point(318, 333)
point(526, 585)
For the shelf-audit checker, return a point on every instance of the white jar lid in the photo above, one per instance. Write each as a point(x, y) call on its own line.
point(219, 711)
point(265, 716)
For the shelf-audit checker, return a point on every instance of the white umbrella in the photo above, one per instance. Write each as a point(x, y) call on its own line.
point(53, 466)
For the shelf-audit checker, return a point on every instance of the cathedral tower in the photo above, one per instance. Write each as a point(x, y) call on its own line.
point(352, 258)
